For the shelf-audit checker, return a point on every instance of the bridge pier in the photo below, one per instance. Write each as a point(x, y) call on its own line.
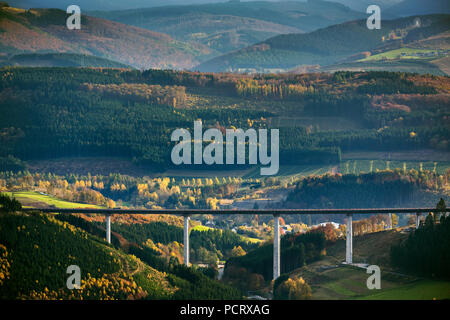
point(186, 239)
point(390, 220)
point(276, 246)
point(349, 240)
point(108, 228)
point(418, 220)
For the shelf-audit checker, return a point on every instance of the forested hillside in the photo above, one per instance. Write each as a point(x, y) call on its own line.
point(387, 189)
point(84, 112)
point(426, 252)
point(60, 60)
point(45, 31)
point(327, 46)
point(36, 249)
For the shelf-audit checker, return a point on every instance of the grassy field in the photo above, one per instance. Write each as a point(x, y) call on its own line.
point(251, 240)
point(418, 290)
point(30, 199)
point(285, 171)
point(329, 280)
point(408, 53)
point(421, 66)
point(294, 171)
point(355, 166)
point(359, 166)
point(320, 123)
point(201, 228)
point(350, 283)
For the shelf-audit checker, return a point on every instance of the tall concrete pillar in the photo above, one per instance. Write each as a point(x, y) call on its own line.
point(186, 239)
point(349, 240)
point(418, 220)
point(390, 220)
point(108, 228)
point(276, 246)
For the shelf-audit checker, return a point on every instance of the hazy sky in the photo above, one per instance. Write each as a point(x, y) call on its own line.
point(102, 4)
point(132, 4)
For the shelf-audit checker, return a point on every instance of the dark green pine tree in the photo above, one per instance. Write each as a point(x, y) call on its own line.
point(429, 221)
point(441, 207)
point(9, 205)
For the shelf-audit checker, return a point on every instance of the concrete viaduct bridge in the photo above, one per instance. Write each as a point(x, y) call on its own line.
point(275, 212)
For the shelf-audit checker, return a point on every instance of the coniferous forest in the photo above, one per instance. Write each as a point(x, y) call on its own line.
point(425, 252)
point(55, 112)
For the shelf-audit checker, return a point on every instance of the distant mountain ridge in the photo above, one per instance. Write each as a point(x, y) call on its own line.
point(327, 46)
point(45, 31)
point(229, 26)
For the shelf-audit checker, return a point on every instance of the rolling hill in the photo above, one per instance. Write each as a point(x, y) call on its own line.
point(36, 249)
point(345, 42)
point(45, 31)
point(331, 281)
point(229, 26)
point(60, 60)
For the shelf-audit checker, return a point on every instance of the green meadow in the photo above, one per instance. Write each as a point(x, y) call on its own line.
point(419, 290)
point(408, 53)
point(31, 199)
point(360, 166)
point(350, 283)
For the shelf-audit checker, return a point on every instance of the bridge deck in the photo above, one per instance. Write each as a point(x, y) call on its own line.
point(238, 211)
point(275, 212)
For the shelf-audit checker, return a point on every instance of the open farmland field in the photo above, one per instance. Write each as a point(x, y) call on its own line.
point(294, 171)
point(85, 165)
point(330, 280)
point(419, 290)
point(362, 159)
point(357, 166)
point(350, 283)
point(189, 174)
point(30, 199)
point(407, 155)
point(318, 123)
point(354, 166)
point(405, 53)
point(421, 66)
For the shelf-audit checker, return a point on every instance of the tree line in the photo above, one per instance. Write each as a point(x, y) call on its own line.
point(390, 188)
point(426, 251)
